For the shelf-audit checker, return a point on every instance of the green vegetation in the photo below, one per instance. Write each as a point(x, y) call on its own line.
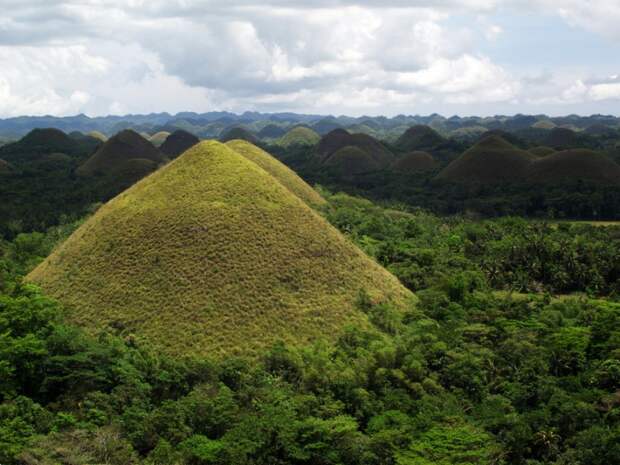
point(98, 135)
point(211, 255)
point(419, 137)
point(351, 147)
point(287, 177)
point(351, 160)
point(468, 375)
point(415, 162)
point(299, 135)
point(542, 151)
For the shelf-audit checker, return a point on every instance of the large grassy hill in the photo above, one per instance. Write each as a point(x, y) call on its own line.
point(158, 138)
point(113, 156)
point(287, 177)
point(212, 255)
point(492, 160)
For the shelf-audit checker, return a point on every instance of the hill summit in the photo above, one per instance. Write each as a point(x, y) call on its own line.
point(419, 137)
point(177, 143)
point(299, 135)
point(126, 152)
point(370, 154)
point(490, 161)
point(212, 255)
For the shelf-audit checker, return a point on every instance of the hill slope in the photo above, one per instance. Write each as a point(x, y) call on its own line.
point(490, 161)
point(40, 142)
point(575, 164)
point(351, 160)
point(299, 135)
point(211, 255)
point(177, 143)
point(112, 157)
point(5, 167)
point(414, 162)
point(419, 137)
point(287, 177)
point(339, 139)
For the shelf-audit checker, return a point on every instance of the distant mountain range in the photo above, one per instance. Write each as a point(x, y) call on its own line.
point(214, 124)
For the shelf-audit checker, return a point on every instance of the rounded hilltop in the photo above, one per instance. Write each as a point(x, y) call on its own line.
point(238, 132)
point(211, 255)
point(126, 152)
point(158, 138)
point(336, 149)
point(575, 164)
point(299, 136)
point(177, 143)
point(419, 137)
point(491, 161)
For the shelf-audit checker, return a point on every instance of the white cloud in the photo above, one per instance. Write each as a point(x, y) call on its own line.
point(100, 56)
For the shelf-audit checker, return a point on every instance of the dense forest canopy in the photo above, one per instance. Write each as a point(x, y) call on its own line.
point(510, 354)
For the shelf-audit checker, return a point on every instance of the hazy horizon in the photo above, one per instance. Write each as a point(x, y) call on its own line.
point(354, 58)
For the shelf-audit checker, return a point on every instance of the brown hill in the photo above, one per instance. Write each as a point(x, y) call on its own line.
point(177, 143)
point(575, 164)
point(560, 138)
point(114, 155)
point(492, 160)
point(339, 138)
point(414, 162)
point(419, 137)
point(352, 160)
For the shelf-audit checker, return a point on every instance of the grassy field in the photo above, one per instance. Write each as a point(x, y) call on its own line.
point(299, 136)
point(211, 255)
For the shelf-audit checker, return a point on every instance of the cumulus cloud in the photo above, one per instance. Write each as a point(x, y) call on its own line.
point(102, 56)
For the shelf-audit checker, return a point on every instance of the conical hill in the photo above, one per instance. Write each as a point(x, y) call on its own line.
point(211, 255)
point(118, 152)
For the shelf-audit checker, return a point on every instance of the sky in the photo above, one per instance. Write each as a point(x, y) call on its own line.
point(374, 57)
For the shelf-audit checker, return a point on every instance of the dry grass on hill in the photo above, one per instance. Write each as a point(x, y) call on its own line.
point(211, 255)
point(278, 170)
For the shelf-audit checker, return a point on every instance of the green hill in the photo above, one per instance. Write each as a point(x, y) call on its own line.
point(271, 131)
point(419, 137)
point(211, 255)
point(177, 143)
point(98, 135)
point(112, 157)
point(41, 142)
point(492, 160)
point(297, 136)
point(287, 177)
point(338, 139)
point(575, 164)
point(414, 162)
point(352, 160)
point(158, 138)
point(238, 133)
point(542, 151)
